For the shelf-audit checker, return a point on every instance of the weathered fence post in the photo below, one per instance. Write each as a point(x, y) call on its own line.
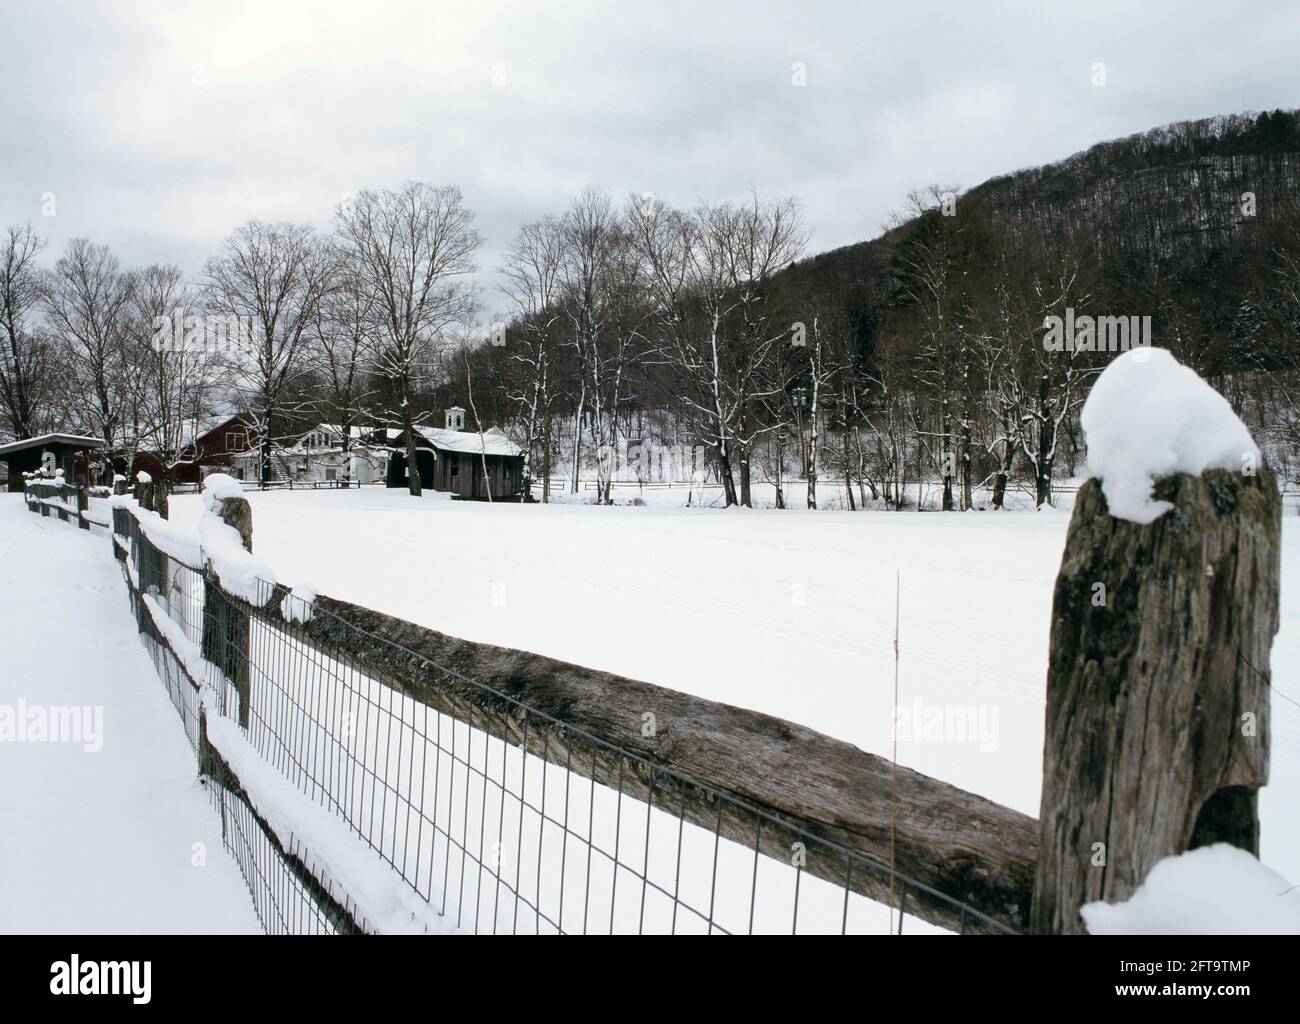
point(83, 506)
point(1158, 687)
point(226, 632)
point(237, 512)
point(152, 494)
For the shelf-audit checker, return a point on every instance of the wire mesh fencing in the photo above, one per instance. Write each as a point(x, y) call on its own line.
point(502, 818)
point(507, 820)
point(283, 902)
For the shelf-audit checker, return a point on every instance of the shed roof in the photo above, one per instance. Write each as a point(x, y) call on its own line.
point(493, 441)
point(69, 440)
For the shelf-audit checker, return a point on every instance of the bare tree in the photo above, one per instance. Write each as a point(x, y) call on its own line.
point(532, 269)
point(478, 422)
point(23, 359)
point(887, 417)
point(342, 343)
point(756, 241)
point(409, 248)
point(87, 300)
point(687, 283)
point(821, 372)
point(928, 263)
point(604, 305)
point(272, 278)
point(1048, 386)
point(176, 377)
point(708, 275)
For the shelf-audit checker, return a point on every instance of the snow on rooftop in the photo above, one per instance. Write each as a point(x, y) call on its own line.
point(1149, 417)
point(1213, 890)
point(492, 441)
point(70, 440)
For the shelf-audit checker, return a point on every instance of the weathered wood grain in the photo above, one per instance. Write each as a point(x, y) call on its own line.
point(1157, 699)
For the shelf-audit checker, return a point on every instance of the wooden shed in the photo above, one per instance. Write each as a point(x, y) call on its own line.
point(453, 461)
point(50, 451)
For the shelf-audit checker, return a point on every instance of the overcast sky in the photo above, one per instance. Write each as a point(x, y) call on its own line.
point(160, 126)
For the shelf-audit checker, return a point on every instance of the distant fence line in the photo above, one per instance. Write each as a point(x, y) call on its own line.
point(282, 485)
point(503, 814)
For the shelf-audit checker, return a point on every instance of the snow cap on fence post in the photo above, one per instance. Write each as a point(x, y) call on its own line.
point(224, 498)
point(1163, 617)
point(151, 494)
point(230, 571)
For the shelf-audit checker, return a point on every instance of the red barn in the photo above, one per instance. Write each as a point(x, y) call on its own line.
point(215, 448)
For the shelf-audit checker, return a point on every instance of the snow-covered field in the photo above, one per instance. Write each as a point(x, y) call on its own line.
point(791, 613)
point(108, 829)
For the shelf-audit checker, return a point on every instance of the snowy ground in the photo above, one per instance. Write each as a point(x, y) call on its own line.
point(788, 612)
point(791, 612)
point(95, 841)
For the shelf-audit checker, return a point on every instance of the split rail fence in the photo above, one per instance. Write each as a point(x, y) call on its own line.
point(504, 813)
point(376, 775)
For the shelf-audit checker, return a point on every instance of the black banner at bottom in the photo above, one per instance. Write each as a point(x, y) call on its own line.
point(143, 973)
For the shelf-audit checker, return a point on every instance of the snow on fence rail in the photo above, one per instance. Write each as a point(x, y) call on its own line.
point(69, 502)
point(373, 775)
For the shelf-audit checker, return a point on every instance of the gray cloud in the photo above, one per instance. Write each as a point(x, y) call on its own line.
point(159, 128)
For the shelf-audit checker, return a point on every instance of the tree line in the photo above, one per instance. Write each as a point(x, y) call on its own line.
point(919, 365)
point(913, 363)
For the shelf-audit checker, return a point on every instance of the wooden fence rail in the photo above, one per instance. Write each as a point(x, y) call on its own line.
point(1156, 739)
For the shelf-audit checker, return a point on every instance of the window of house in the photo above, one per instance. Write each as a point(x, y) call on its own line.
point(453, 466)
